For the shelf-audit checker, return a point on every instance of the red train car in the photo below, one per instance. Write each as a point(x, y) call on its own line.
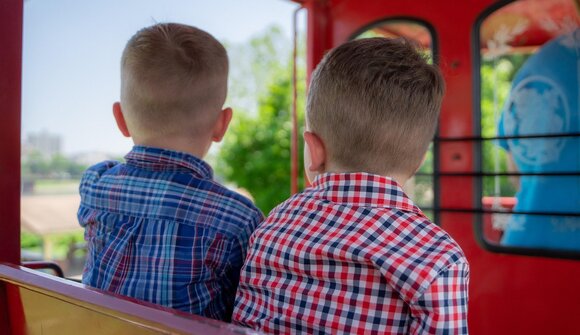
point(512, 290)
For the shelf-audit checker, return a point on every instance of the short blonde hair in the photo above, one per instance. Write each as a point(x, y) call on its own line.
point(173, 80)
point(375, 104)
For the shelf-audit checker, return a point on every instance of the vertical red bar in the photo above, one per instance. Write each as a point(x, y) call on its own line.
point(10, 81)
point(319, 35)
point(318, 38)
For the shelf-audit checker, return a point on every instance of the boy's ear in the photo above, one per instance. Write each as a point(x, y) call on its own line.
point(120, 119)
point(221, 125)
point(316, 152)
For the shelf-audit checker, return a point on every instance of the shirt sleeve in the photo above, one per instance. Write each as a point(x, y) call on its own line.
point(86, 186)
point(92, 175)
point(442, 308)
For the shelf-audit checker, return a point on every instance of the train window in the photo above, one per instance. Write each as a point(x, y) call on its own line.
point(422, 187)
point(529, 143)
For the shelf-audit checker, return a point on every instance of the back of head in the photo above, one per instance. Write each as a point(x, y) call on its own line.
point(375, 103)
point(173, 81)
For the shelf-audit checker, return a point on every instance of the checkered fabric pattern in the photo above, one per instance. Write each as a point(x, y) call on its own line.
point(159, 229)
point(352, 255)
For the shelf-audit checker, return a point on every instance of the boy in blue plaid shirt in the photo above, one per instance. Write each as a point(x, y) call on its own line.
point(158, 227)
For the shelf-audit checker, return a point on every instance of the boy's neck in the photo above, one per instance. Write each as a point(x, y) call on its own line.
point(197, 148)
point(399, 178)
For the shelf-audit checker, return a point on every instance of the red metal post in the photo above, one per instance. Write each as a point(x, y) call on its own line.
point(10, 80)
point(319, 35)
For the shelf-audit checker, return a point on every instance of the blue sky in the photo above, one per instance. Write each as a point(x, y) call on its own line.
point(72, 48)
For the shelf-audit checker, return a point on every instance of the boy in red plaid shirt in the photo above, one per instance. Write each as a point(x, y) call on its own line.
point(352, 253)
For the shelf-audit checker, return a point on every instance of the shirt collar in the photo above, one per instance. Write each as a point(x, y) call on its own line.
point(363, 189)
point(158, 159)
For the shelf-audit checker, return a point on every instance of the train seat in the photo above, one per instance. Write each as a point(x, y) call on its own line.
point(38, 303)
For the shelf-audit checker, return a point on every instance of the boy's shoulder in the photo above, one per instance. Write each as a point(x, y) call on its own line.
point(237, 200)
point(400, 228)
point(411, 252)
point(102, 167)
point(206, 194)
point(94, 172)
point(404, 246)
point(420, 252)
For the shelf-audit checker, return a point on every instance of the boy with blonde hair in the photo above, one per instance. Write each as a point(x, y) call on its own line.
point(158, 227)
point(352, 254)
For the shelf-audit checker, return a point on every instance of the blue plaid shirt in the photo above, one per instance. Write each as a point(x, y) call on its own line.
point(160, 229)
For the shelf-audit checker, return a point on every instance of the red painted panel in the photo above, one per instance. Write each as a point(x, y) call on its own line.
point(319, 33)
point(17, 322)
point(10, 76)
point(4, 316)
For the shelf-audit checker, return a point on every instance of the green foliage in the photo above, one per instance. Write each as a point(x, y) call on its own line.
point(253, 66)
point(496, 78)
point(35, 165)
point(30, 241)
point(255, 154)
point(422, 191)
point(62, 242)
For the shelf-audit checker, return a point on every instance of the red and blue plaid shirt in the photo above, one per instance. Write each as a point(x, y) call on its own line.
point(159, 229)
point(352, 254)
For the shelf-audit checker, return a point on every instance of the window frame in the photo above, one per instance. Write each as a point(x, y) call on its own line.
point(478, 227)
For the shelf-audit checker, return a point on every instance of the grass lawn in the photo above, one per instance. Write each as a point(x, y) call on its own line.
point(56, 186)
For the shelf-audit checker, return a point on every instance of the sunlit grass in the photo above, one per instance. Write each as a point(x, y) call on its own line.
point(56, 186)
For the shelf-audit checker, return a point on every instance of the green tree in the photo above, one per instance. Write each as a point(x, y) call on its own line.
point(255, 154)
point(253, 67)
point(36, 165)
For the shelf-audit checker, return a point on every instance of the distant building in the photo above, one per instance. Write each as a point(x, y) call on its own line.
point(45, 143)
